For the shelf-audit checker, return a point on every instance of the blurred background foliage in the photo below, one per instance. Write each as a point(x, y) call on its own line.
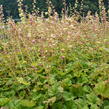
point(81, 6)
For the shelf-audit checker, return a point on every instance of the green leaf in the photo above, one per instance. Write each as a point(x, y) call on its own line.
point(71, 105)
point(94, 106)
point(22, 81)
point(57, 105)
point(102, 89)
point(4, 101)
point(50, 100)
point(81, 103)
point(27, 103)
point(106, 107)
point(39, 107)
point(92, 98)
point(105, 104)
point(68, 96)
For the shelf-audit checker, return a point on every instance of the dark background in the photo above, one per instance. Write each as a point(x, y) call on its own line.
point(82, 6)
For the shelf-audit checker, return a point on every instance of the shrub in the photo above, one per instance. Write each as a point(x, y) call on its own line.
point(54, 64)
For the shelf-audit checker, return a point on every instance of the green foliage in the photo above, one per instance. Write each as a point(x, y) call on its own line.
point(4, 101)
point(27, 103)
point(102, 89)
point(55, 64)
point(70, 6)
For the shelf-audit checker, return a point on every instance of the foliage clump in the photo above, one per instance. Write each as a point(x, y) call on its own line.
point(54, 64)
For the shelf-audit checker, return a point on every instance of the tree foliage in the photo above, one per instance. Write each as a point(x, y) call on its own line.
point(81, 6)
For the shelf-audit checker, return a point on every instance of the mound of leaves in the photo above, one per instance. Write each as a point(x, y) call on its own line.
point(50, 72)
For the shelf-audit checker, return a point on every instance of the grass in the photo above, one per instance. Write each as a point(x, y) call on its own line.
point(54, 64)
